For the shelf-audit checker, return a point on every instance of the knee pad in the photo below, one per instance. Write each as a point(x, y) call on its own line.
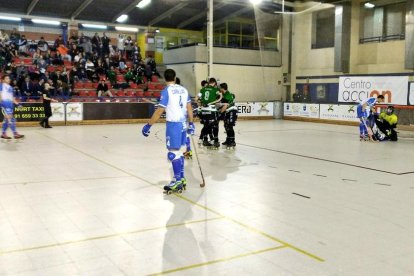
point(174, 155)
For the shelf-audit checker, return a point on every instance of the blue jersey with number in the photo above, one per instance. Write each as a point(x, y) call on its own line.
point(174, 99)
point(365, 112)
point(6, 93)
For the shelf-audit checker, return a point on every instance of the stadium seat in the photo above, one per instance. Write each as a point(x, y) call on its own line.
point(148, 94)
point(140, 93)
point(156, 94)
point(133, 85)
point(130, 93)
point(151, 86)
point(159, 86)
point(154, 78)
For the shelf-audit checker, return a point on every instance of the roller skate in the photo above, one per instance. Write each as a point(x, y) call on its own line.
point(216, 145)
point(184, 183)
point(18, 136)
point(5, 138)
point(225, 142)
point(188, 154)
point(174, 187)
point(231, 145)
point(207, 144)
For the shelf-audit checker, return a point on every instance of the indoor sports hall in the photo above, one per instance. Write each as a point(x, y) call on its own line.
point(303, 191)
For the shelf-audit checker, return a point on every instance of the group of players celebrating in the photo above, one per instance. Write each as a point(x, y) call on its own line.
point(374, 126)
point(215, 103)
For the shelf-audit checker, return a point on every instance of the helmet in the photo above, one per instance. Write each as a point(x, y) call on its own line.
point(390, 110)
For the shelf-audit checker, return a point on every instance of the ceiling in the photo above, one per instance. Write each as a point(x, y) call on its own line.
point(182, 14)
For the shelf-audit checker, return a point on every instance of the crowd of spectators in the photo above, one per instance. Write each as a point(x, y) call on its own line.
point(80, 59)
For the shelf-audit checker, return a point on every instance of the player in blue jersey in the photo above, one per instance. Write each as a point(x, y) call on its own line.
point(364, 110)
point(7, 102)
point(188, 153)
point(176, 102)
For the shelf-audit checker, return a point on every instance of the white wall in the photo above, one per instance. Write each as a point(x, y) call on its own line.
point(248, 83)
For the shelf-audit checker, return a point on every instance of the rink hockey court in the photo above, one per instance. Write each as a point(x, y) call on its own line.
point(294, 198)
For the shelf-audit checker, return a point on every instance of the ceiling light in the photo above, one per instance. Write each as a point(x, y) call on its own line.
point(93, 26)
point(157, 30)
point(126, 29)
point(10, 18)
point(47, 22)
point(369, 5)
point(255, 2)
point(122, 18)
point(143, 3)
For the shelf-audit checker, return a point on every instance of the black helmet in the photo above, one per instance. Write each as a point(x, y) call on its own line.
point(390, 109)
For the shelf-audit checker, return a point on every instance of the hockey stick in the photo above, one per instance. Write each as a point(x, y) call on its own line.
point(198, 161)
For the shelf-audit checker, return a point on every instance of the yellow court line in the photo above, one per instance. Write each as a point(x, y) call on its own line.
point(106, 236)
point(199, 205)
point(219, 260)
point(256, 230)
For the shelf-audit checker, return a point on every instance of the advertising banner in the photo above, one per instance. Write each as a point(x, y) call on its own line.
point(74, 112)
point(357, 89)
point(58, 112)
point(291, 109)
point(309, 110)
point(338, 112)
point(411, 94)
point(28, 112)
point(247, 109)
point(301, 110)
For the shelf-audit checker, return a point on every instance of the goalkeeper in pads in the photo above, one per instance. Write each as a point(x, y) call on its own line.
point(387, 123)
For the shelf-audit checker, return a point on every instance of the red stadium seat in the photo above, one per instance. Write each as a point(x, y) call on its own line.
point(159, 86)
point(148, 94)
point(151, 86)
point(92, 93)
point(130, 93)
point(120, 93)
point(88, 85)
point(140, 93)
point(78, 85)
point(133, 85)
point(156, 94)
point(154, 78)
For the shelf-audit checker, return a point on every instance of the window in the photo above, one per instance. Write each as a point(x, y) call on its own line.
point(323, 29)
point(243, 34)
point(382, 21)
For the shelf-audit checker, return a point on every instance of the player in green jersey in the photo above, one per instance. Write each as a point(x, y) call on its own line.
point(229, 111)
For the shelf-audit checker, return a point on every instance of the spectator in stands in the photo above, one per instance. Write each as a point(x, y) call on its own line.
point(90, 69)
point(129, 47)
point(306, 96)
point(96, 44)
point(103, 89)
point(111, 75)
point(3, 36)
point(148, 72)
point(74, 51)
point(34, 72)
point(42, 46)
point(42, 66)
point(16, 89)
point(26, 89)
point(21, 70)
point(58, 41)
point(37, 89)
point(153, 65)
point(129, 76)
point(99, 69)
point(57, 59)
point(62, 89)
point(87, 48)
point(105, 45)
point(297, 97)
point(14, 36)
point(22, 45)
point(73, 76)
point(32, 46)
point(121, 46)
point(64, 76)
point(64, 52)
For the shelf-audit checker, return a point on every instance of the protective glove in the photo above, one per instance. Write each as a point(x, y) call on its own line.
point(146, 130)
point(191, 128)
